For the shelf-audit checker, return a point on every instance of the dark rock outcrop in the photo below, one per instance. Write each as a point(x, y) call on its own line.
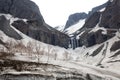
point(115, 55)
point(108, 19)
point(74, 18)
point(43, 33)
point(92, 20)
point(21, 8)
point(98, 8)
point(90, 39)
point(35, 27)
point(97, 51)
point(111, 16)
point(115, 46)
point(5, 27)
point(94, 16)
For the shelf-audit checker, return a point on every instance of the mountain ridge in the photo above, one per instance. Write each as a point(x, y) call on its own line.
point(76, 17)
point(93, 53)
point(34, 26)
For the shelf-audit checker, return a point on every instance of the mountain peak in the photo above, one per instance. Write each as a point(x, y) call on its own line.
point(74, 18)
point(20, 8)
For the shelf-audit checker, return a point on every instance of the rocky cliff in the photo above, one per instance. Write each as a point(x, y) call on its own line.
point(98, 8)
point(33, 26)
point(29, 59)
point(74, 18)
point(100, 26)
point(111, 16)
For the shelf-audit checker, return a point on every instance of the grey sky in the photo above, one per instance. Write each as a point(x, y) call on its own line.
point(56, 12)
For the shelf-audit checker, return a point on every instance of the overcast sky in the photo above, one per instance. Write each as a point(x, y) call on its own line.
point(56, 12)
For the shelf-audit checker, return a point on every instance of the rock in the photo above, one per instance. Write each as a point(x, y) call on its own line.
point(115, 46)
point(21, 8)
point(42, 33)
point(89, 39)
point(92, 20)
point(74, 18)
point(108, 19)
point(35, 27)
point(97, 51)
point(111, 16)
point(5, 27)
point(97, 9)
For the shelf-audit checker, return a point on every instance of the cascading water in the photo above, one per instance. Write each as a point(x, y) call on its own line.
point(74, 42)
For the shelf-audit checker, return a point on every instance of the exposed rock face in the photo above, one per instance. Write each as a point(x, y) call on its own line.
point(115, 46)
point(5, 27)
point(21, 8)
point(90, 39)
point(98, 8)
point(107, 19)
point(94, 16)
point(74, 18)
point(92, 20)
point(35, 26)
point(111, 16)
point(43, 33)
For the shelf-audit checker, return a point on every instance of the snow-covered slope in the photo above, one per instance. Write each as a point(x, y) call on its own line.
point(77, 20)
point(37, 58)
point(29, 59)
point(72, 29)
point(61, 62)
point(60, 28)
point(100, 54)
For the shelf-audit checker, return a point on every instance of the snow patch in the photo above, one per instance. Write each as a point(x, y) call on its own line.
point(72, 29)
point(104, 31)
point(102, 10)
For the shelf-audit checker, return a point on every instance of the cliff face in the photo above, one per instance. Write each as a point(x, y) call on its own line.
point(74, 18)
point(34, 26)
point(97, 8)
point(5, 27)
point(101, 25)
point(111, 16)
point(21, 8)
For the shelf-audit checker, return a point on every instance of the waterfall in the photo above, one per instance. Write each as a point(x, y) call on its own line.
point(74, 43)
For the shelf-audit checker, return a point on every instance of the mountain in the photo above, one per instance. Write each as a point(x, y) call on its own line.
point(23, 57)
point(74, 18)
point(59, 28)
point(72, 29)
point(97, 42)
point(97, 30)
point(98, 8)
point(80, 19)
point(30, 23)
